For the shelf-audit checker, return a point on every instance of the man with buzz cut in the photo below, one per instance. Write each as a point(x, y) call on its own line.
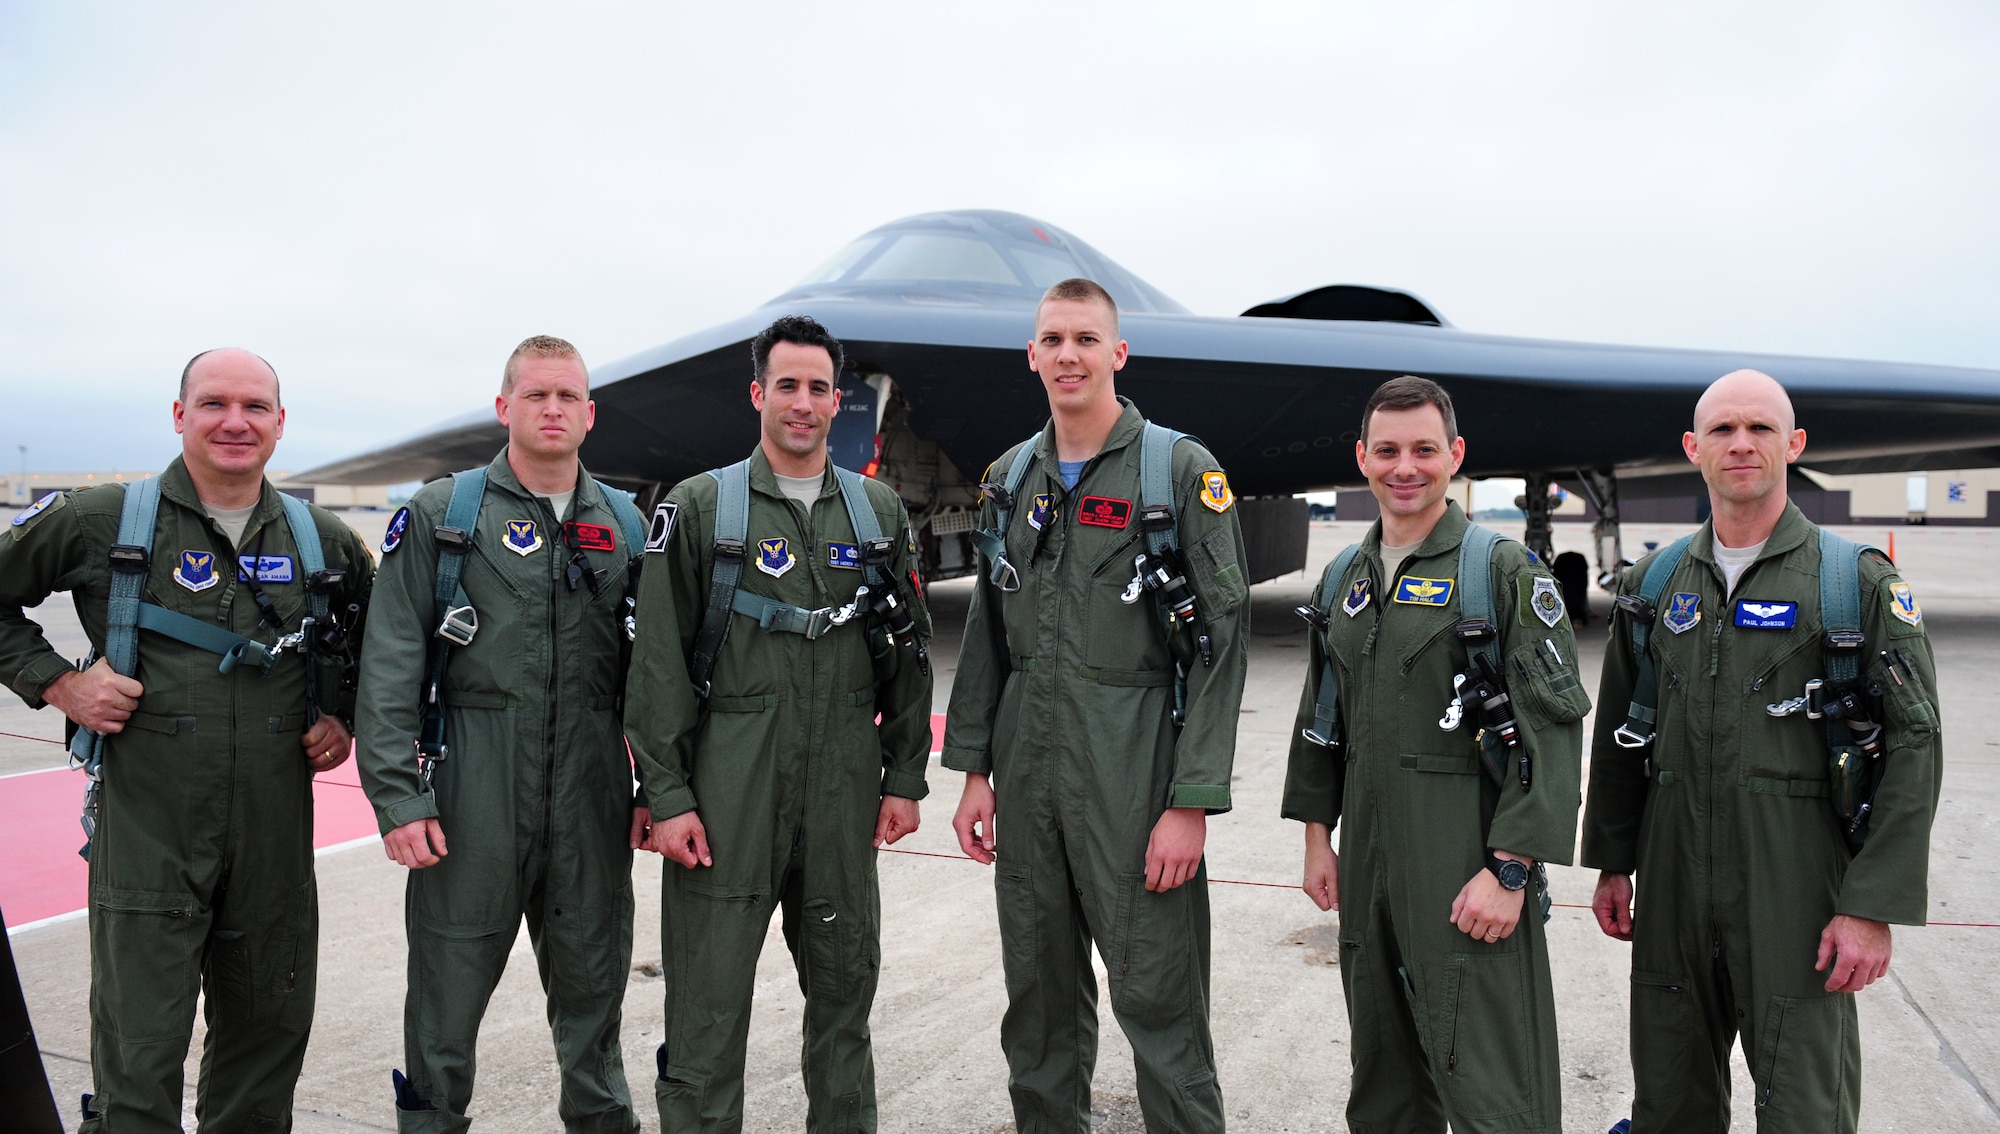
point(217, 609)
point(1767, 762)
point(1440, 731)
point(1094, 716)
point(780, 712)
point(491, 747)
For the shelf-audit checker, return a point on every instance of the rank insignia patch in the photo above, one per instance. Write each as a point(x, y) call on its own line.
point(774, 556)
point(398, 524)
point(1215, 494)
point(1903, 605)
point(662, 529)
point(589, 537)
point(1683, 611)
point(196, 570)
point(1357, 597)
point(1038, 512)
point(265, 568)
point(1752, 614)
point(1104, 512)
point(35, 509)
point(523, 537)
point(846, 556)
point(1546, 601)
point(1423, 592)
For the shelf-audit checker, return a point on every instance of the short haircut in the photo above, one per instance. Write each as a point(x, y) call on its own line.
point(1076, 289)
point(1407, 393)
point(189, 369)
point(799, 330)
point(539, 346)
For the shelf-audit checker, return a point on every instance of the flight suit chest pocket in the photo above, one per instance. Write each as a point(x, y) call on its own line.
point(1545, 689)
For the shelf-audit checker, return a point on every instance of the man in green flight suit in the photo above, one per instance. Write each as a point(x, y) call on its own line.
point(1754, 915)
point(530, 812)
point(770, 780)
point(201, 868)
point(1065, 718)
point(1443, 958)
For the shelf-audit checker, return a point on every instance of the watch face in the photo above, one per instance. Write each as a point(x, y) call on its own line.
point(1512, 875)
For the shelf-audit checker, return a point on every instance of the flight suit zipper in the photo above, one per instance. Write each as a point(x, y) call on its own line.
point(554, 680)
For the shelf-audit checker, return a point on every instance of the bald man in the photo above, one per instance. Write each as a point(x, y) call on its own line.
point(1760, 910)
point(201, 865)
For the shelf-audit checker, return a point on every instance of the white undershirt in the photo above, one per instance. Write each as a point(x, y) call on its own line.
point(232, 521)
point(1736, 560)
point(804, 489)
point(560, 502)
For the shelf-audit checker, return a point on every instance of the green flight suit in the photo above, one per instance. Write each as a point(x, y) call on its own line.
point(1445, 1026)
point(535, 796)
point(786, 766)
point(1739, 857)
point(201, 875)
point(1064, 696)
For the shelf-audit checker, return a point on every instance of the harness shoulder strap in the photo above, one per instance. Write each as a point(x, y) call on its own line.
point(861, 514)
point(1475, 586)
point(468, 488)
point(992, 542)
point(1642, 712)
point(128, 573)
point(312, 556)
point(1325, 730)
point(732, 529)
point(627, 514)
point(1840, 603)
point(1156, 484)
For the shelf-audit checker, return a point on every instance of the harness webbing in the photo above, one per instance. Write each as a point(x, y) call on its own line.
point(1475, 587)
point(135, 530)
point(992, 542)
point(1642, 713)
point(1156, 483)
point(1325, 730)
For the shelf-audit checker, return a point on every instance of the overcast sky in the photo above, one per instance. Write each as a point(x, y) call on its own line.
point(384, 198)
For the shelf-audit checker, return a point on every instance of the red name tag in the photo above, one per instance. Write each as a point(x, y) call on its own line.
point(1103, 512)
point(591, 537)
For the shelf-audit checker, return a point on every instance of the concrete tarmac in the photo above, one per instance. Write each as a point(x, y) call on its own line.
point(1930, 1030)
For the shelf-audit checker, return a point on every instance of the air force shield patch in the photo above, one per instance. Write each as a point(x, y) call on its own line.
point(1038, 511)
point(1903, 605)
point(1357, 597)
point(196, 570)
point(523, 537)
point(1215, 493)
point(1546, 601)
point(774, 556)
point(1683, 611)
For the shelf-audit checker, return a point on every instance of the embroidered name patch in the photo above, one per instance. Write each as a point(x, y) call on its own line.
point(846, 556)
point(1038, 509)
point(196, 570)
point(662, 528)
point(1903, 605)
point(1423, 592)
point(1683, 611)
point(1752, 614)
point(523, 537)
point(265, 568)
point(1104, 512)
point(1215, 493)
point(774, 556)
point(1357, 597)
point(398, 524)
point(589, 537)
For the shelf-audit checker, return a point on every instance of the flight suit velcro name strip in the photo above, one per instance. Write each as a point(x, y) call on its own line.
point(753, 703)
point(466, 699)
point(1772, 785)
point(1467, 765)
point(156, 722)
point(1127, 678)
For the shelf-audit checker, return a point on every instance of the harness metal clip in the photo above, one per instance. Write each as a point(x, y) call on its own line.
point(459, 625)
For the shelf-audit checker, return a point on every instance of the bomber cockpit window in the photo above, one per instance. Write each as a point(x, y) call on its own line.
point(1045, 266)
point(842, 260)
point(935, 256)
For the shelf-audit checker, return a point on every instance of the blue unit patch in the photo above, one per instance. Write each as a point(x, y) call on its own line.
point(265, 568)
point(1357, 597)
point(196, 570)
point(1753, 614)
point(35, 509)
point(1683, 611)
point(774, 556)
point(846, 556)
point(523, 537)
point(1038, 513)
point(1903, 605)
point(1423, 592)
point(398, 524)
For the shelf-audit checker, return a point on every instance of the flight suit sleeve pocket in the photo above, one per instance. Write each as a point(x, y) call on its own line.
point(1218, 577)
point(1544, 688)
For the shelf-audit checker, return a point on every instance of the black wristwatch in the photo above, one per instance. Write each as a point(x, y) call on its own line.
point(1513, 875)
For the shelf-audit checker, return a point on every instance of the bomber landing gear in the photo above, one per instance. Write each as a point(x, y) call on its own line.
point(1534, 505)
point(1600, 487)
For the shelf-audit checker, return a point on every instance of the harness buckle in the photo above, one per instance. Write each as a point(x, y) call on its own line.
point(452, 539)
point(1475, 630)
point(998, 494)
point(459, 625)
point(1637, 608)
point(729, 548)
point(1626, 738)
point(131, 559)
point(1845, 641)
point(1004, 576)
point(1156, 517)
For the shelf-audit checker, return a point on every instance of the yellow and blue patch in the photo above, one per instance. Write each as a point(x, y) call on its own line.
point(1039, 509)
point(1357, 597)
point(35, 509)
point(1215, 493)
point(1413, 591)
point(523, 537)
point(1757, 614)
point(196, 570)
point(1683, 611)
point(1903, 605)
point(774, 556)
point(846, 556)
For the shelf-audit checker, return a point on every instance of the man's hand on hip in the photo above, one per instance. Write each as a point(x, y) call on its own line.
point(100, 698)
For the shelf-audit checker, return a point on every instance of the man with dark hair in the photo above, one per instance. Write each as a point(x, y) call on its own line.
point(1777, 813)
point(1447, 800)
point(492, 717)
point(1100, 721)
point(201, 864)
point(780, 712)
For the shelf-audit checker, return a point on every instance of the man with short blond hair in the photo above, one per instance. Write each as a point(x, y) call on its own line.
point(491, 720)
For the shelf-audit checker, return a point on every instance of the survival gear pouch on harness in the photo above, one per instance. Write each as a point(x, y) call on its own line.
point(877, 599)
point(1159, 569)
point(1849, 703)
point(321, 637)
point(458, 622)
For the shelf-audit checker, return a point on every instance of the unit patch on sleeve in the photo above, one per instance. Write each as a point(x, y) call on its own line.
point(523, 537)
point(662, 529)
point(1104, 512)
point(398, 524)
point(774, 556)
point(1683, 611)
point(589, 537)
point(1753, 614)
point(1545, 600)
point(1038, 510)
point(1423, 592)
point(35, 509)
point(1903, 605)
point(846, 556)
point(265, 568)
point(1357, 597)
point(196, 570)
point(1215, 493)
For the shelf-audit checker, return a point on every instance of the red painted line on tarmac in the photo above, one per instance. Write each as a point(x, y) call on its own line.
point(937, 733)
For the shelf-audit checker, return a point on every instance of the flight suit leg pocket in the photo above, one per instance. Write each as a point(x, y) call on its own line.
point(833, 962)
point(1663, 1035)
point(150, 946)
point(1014, 897)
point(1800, 1070)
point(1152, 979)
point(1490, 1058)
